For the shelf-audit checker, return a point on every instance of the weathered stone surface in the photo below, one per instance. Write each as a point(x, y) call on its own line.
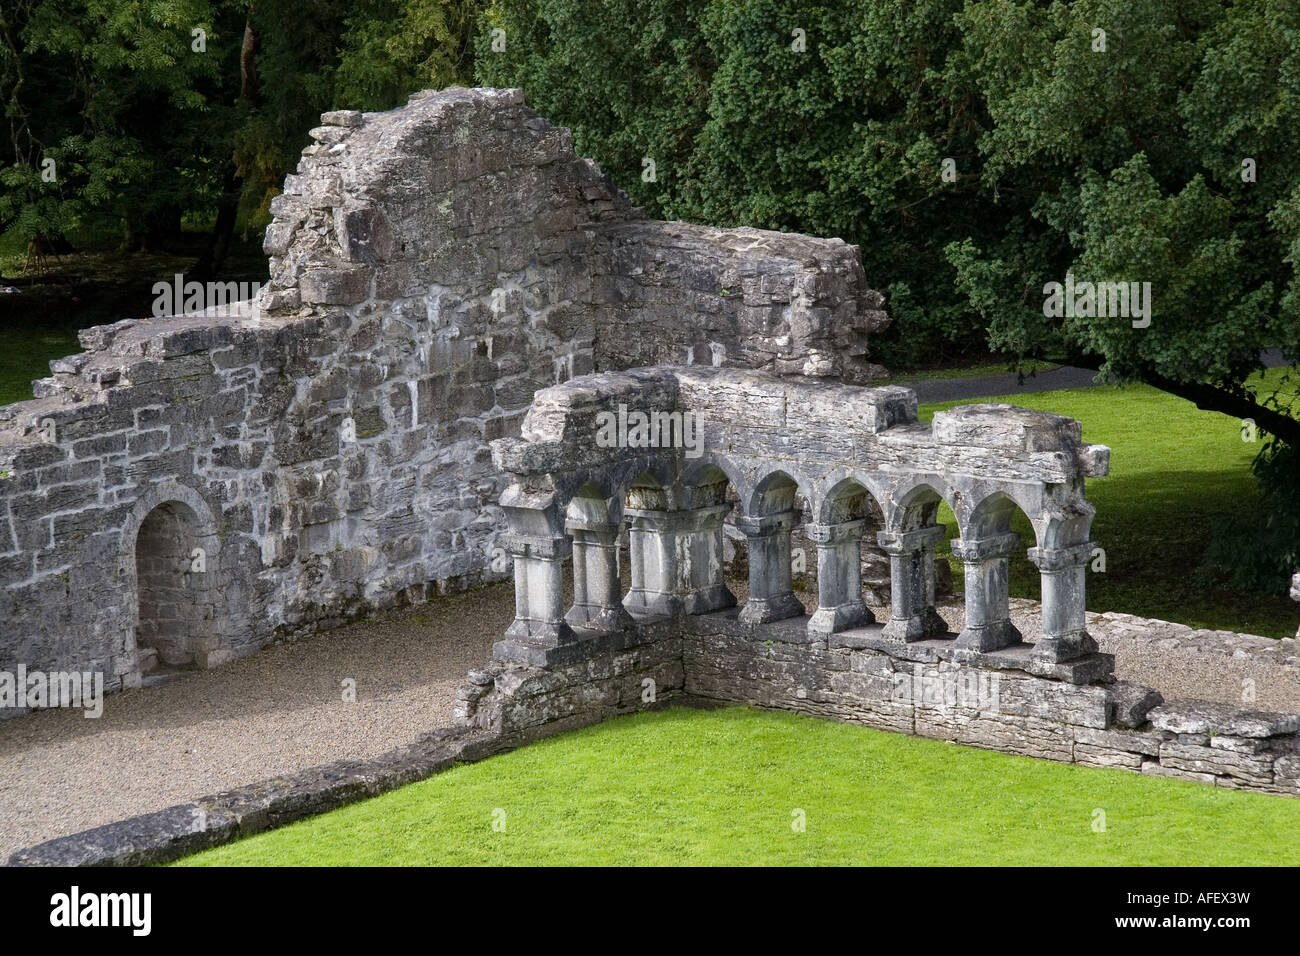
point(1133, 702)
point(1147, 742)
point(1093, 756)
point(1156, 769)
point(1204, 717)
point(1253, 768)
point(431, 268)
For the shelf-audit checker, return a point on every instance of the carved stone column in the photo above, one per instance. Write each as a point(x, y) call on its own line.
point(597, 592)
point(771, 588)
point(839, 577)
point(539, 547)
point(652, 550)
point(539, 589)
point(1064, 576)
point(677, 561)
point(700, 568)
point(912, 616)
point(988, 619)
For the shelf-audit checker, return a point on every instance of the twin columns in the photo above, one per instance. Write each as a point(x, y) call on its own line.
point(676, 567)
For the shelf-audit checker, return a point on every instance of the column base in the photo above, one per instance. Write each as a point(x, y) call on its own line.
point(655, 603)
point(767, 610)
point(1064, 648)
point(831, 620)
point(541, 632)
point(988, 637)
point(604, 620)
point(923, 624)
point(717, 598)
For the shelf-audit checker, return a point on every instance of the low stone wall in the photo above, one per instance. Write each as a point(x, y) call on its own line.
point(1117, 630)
point(1073, 712)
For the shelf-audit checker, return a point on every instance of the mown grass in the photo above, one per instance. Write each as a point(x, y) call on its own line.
point(25, 354)
point(1176, 473)
point(725, 787)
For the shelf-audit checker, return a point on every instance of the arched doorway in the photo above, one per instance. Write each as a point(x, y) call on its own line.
point(177, 625)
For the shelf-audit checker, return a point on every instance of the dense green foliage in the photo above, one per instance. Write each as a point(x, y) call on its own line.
point(150, 123)
point(726, 788)
point(1115, 157)
point(975, 151)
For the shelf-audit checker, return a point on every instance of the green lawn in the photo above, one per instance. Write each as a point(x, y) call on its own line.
point(25, 355)
point(1175, 473)
point(722, 787)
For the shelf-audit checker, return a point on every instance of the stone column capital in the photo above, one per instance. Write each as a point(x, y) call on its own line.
point(982, 549)
point(761, 526)
point(1062, 559)
point(667, 522)
point(530, 546)
point(575, 525)
point(829, 534)
point(903, 542)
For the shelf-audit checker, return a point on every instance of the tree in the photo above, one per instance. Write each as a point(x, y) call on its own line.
point(107, 105)
point(977, 152)
point(1126, 163)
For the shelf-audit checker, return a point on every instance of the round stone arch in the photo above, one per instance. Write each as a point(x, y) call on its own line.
point(845, 495)
point(706, 480)
point(914, 504)
point(774, 493)
point(990, 514)
point(650, 484)
point(172, 562)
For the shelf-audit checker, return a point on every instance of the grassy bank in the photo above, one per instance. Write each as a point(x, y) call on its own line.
point(728, 787)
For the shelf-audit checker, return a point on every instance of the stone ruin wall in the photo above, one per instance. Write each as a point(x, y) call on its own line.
point(328, 451)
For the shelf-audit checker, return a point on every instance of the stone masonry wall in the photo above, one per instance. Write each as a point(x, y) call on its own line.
point(431, 267)
point(921, 689)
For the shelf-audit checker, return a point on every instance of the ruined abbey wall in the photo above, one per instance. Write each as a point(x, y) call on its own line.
point(209, 482)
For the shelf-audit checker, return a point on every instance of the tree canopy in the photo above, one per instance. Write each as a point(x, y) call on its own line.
point(977, 152)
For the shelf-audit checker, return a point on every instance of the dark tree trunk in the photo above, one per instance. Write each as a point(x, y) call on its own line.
point(1237, 403)
point(223, 230)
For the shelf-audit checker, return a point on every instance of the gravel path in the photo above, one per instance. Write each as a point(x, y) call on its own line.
point(281, 710)
point(277, 711)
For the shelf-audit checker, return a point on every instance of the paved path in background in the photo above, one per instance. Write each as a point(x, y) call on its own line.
point(1009, 383)
point(981, 386)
